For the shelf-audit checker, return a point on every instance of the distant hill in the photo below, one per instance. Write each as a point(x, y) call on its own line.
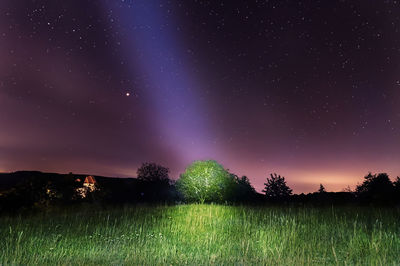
point(10, 180)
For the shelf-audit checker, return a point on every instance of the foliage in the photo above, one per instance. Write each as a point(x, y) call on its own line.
point(324, 199)
point(38, 190)
point(206, 181)
point(321, 189)
point(155, 183)
point(243, 191)
point(396, 184)
point(42, 190)
point(276, 188)
point(376, 188)
point(153, 172)
point(202, 235)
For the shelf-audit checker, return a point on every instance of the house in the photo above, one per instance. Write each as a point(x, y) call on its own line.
point(89, 185)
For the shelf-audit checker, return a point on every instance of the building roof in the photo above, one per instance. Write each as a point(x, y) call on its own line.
point(90, 180)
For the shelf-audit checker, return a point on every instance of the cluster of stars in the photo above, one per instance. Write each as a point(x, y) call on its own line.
point(287, 76)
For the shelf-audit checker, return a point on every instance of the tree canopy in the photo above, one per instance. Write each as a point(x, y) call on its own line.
point(276, 188)
point(206, 181)
point(153, 172)
point(376, 188)
point(155, 183)
point(321, 189)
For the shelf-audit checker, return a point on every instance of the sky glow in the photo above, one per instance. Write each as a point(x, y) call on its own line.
point(310, 91)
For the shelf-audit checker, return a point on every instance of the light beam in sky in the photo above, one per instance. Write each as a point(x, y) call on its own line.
point(99, 87)
point(150, 41)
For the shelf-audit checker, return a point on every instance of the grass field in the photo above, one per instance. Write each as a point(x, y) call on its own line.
point(203, 234)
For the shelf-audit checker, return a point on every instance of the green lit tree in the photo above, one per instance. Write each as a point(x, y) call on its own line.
point(206, 181)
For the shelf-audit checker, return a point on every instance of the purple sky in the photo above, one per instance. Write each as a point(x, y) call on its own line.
point(309, 90)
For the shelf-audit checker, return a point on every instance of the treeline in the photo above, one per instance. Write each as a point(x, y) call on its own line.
point(202, 182)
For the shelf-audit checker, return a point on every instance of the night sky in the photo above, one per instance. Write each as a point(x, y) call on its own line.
point(306, 89)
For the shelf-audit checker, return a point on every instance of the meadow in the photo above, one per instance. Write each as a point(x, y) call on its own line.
point(203, 234)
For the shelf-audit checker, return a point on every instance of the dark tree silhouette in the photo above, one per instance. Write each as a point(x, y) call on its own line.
point(321, 189)
point(40, 190)
point(153, 172)
point(155, 183)
point(244, 184)
point(347, 190)
point(244, 191)
point(276, 188)
point(376, 188)
point(396, 184)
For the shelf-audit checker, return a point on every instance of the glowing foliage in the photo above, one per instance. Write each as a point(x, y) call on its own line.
point(206, 181)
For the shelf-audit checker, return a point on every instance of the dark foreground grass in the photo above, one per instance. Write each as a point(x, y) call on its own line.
point(203, 234)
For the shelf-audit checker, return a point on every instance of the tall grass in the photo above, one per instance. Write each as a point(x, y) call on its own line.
point(203, 234)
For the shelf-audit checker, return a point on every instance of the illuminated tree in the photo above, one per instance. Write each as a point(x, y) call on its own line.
point(206, 181)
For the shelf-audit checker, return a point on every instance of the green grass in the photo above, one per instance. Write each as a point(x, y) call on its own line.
point(203, 234)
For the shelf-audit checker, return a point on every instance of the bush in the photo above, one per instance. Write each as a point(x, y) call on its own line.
point(206, 181)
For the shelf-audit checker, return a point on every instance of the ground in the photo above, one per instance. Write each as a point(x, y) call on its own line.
point(202, 234)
